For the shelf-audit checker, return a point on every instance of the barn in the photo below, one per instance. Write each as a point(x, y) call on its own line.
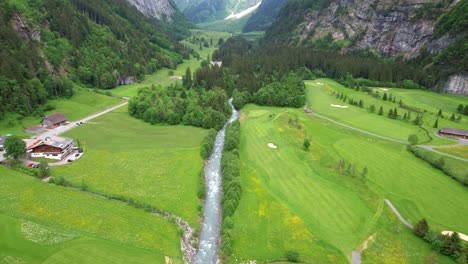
point(453, 132)
point(54, 120)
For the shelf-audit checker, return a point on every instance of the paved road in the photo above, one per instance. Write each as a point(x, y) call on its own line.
point(398, 214)
point(356, 257)
point(360, 130)
point(62, 129)
point(461, 142)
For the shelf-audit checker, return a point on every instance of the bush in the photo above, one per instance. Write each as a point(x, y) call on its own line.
point(292, 256)
point(421, 228)
point(208, 144)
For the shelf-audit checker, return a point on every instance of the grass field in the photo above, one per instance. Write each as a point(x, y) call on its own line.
point(83, 103)
point(460, 151)
point(320, 97)
point(43, 223)
point(157, 165)
point(162, 77)
point(338, 211)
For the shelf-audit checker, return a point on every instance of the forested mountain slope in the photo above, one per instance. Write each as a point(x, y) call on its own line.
point(264, 16)
point(432, 33)
point(47, 44)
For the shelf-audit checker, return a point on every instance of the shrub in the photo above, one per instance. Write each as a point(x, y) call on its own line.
point(421, 228)
point(292, 256)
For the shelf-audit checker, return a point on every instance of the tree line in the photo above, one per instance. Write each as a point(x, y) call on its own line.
point(232, 190)
point(177, 105)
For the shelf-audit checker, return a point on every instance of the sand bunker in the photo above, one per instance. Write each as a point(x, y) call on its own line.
point(175, 77)
point(384, 89)
point(339, 106)
point(461, 235)
point(272, 146)
point(319, 83)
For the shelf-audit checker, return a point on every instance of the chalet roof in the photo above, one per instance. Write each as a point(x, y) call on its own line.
point(57, 142)
point(454, 131)
point(56, 118)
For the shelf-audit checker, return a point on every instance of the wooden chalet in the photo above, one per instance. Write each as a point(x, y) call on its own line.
point(52, 148)
point(453, 132)
point(54, 120)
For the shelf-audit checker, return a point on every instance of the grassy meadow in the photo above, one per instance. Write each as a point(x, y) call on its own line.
point(334, 212)
point(83, 103)
point(41, 223)
point(156, 165)
point(459, 151)
point(162, 77)
point(321, 94)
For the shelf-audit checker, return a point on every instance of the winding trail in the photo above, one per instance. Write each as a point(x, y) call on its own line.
point(210, 236)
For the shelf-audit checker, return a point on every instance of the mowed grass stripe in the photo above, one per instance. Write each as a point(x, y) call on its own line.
point(295, 183)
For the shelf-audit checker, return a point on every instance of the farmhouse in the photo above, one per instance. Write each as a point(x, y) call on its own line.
point(57, 148)
point(452, 132)
point(54, 120)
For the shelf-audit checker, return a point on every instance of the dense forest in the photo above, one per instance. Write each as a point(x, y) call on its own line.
point(207, 108)
point(259, 64)
point(46, 45)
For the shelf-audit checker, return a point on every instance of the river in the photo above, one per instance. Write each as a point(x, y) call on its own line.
point(210, 236)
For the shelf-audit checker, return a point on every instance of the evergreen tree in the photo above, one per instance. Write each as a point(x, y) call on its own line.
point(372, 108)
point(187, 81)
point(390, 113)
point(306, 144)
point(460, 108)
point(381, 110)
point(439, 113)
point(452, 118)
point(436, 124)
point(385, 97)
point(395, 113)
point(421, 228)
point(364, 173)
point(404, 116)
point(361, 104)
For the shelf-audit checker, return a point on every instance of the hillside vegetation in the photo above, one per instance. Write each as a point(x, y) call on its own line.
point(47, 44)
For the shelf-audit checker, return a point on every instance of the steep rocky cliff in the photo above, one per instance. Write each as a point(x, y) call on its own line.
point(160, 9)
point(391, 28)
point(457, 84)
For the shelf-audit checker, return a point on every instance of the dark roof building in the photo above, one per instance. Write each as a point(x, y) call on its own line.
point(54, 120)
point(453, 132)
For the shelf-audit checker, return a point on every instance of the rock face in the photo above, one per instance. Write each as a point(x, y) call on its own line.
point(160, 9)
point(392, 28)
point(28, 33)
point(201, 11)
point(457, 84)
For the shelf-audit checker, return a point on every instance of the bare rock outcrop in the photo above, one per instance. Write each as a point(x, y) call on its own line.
point(457, 84)
point(160, 9)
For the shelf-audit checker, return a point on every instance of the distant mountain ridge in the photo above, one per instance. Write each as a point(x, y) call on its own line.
point(202, 11)
point(265, 15)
